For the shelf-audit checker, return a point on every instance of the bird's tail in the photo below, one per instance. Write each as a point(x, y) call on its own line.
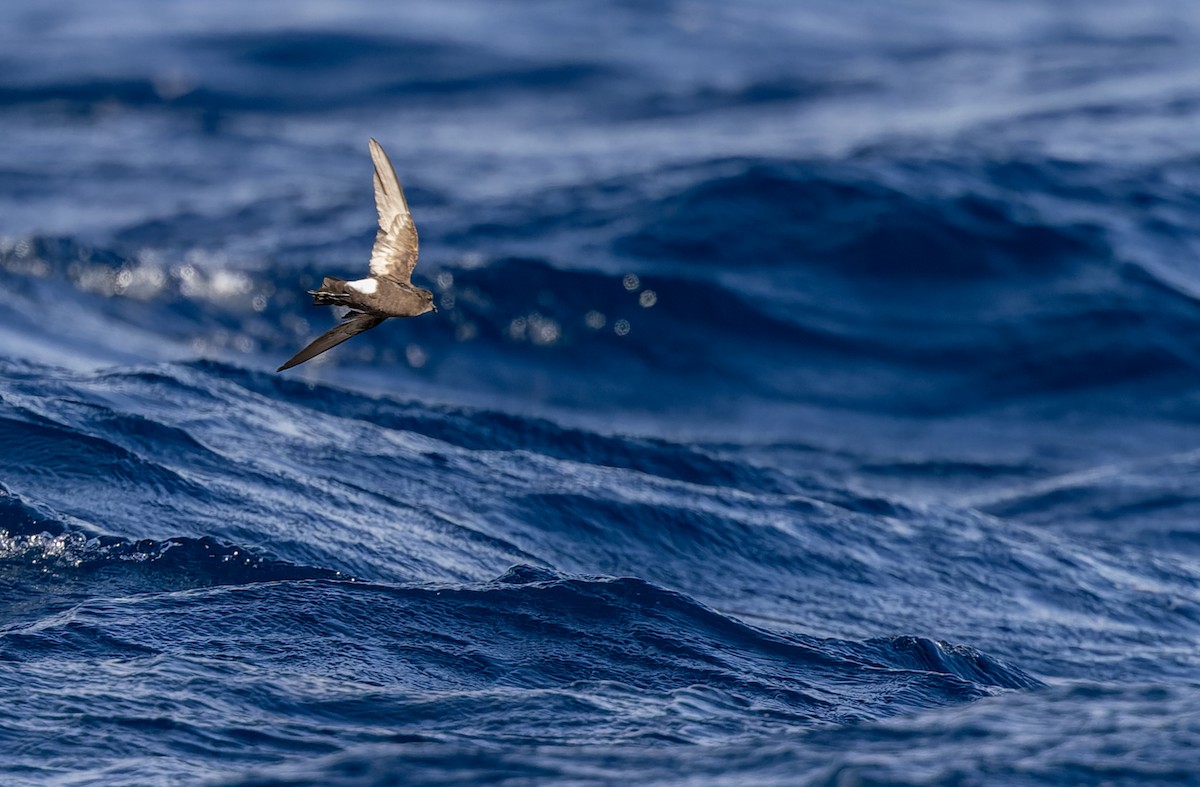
point(332, 292)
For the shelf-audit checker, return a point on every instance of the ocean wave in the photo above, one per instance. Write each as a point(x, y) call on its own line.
point(603, 645)
point(811, 398)
point(1024, 739)
point(844, 220)
point(512, 323)
point(235, 74)
point(48, 547)
point(512, 662)
point(384, 488)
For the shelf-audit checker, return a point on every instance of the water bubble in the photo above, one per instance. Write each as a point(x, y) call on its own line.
point(225, 283)
point(631, 282)
point(648, 298)
point(154, 278)
point(447, 302)
point(445, 280)
point(621, 327)
point(516, 329)
point(594, 320)
point(546, 332)
point(259, 303)
point(415, 356)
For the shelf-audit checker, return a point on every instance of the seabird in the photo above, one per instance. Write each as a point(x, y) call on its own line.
point(388, 291)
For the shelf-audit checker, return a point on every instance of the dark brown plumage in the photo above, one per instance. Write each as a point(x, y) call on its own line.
point(388, 291)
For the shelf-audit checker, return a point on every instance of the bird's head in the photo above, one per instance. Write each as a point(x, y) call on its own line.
point(427, 298)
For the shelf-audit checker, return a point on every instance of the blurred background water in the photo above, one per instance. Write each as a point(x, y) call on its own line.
point(813, 397)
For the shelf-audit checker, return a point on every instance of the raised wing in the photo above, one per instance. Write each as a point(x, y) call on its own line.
point(395, 252)
point(354, 324)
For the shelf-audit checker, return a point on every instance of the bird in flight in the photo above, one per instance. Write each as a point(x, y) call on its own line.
point(388, 291)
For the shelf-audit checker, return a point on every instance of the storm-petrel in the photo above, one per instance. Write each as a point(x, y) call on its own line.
point(388, 291)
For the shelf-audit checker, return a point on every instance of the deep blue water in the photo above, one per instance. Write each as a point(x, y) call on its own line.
point(815, 395)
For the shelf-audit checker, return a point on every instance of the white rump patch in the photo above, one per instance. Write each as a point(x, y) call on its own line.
point(365, 286)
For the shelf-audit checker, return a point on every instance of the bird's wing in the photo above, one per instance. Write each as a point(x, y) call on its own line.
point(354, 324)
point(395, 252)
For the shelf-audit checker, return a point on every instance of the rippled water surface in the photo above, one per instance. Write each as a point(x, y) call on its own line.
point(813, 397)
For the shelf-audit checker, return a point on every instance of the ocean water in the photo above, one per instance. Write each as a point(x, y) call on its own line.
point(814, 399)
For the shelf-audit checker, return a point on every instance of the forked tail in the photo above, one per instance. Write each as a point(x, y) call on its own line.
point(332, 292)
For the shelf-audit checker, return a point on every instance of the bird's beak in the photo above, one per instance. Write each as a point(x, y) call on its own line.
point(435, 309)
